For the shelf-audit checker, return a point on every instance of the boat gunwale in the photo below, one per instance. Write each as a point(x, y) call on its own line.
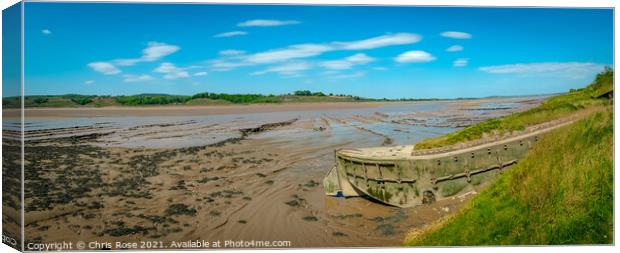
point(387, 160)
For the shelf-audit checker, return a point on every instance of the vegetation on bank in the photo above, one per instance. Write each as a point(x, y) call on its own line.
point(206, 98)
point(554, 108)
point(560, 193)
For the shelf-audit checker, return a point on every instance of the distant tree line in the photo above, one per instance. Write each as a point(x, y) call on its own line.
point(40, 100)
point(80, 99)
point(165, 99)
point(238, 98)
point(152, 99)
point(308, 93)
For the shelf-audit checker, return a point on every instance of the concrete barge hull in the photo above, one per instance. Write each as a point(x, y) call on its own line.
point(408, 181)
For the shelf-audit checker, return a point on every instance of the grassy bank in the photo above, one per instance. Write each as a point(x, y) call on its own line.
point(560, 193)
point(554, 108)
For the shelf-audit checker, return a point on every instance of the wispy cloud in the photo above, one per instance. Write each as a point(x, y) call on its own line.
point(157, 50)
point(414, 56)
point(226, 64)
point(347, 62)
point(381, 41)
point(171, 71)
point(456, 35)
point(461, 62)
point(46, 31)
point(337, 64)
point(104, 67)
point(231, 52)
point(230, 34)
point(153, 52)
point(539, 67)
point(570, 69)
point(289, 53)
point(338, 75)
point(128, 78)
point(89, 82)
point(286, 69)
point(455, 48)
point(299, 51)
point(267, 22)
point(202, 73)
point(360, 58)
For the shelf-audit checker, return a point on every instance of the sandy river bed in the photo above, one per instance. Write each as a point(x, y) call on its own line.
point(224, 173)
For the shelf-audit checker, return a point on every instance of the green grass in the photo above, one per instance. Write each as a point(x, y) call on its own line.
point(554, 108)
point(560, 193)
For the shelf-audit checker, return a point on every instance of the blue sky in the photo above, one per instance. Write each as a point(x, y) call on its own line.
point(11, 51)
point(392, 52)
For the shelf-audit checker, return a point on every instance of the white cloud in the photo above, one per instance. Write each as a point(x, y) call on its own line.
point(289, 53)
point(360, 58)
point(267, 22)
point(46, 31)
point(354, 75)
point(226, 64)
point(461, 62)
point(454, 48)
point(575, 69)
point(126, 62)
point(87, 82)
point(230, 34)
point(136, 78)
point(157, 50)
point(380, 41)
point(414, 56)
point(456, 35)
point(337, 64)
point(231, 52)
point(300, 51)
point(104, 67)
point(201, 73)
point(348, 62)
point(153, 52)
point(171, 71)
point(380, 68)
point(286, 69)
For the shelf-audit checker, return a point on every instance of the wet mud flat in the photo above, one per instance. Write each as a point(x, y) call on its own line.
point(11, 187)
point(251, 176)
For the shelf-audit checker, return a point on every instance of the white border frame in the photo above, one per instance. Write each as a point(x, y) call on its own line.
point(469, 3)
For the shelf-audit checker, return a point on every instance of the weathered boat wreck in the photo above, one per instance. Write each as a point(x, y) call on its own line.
point(403, 177)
